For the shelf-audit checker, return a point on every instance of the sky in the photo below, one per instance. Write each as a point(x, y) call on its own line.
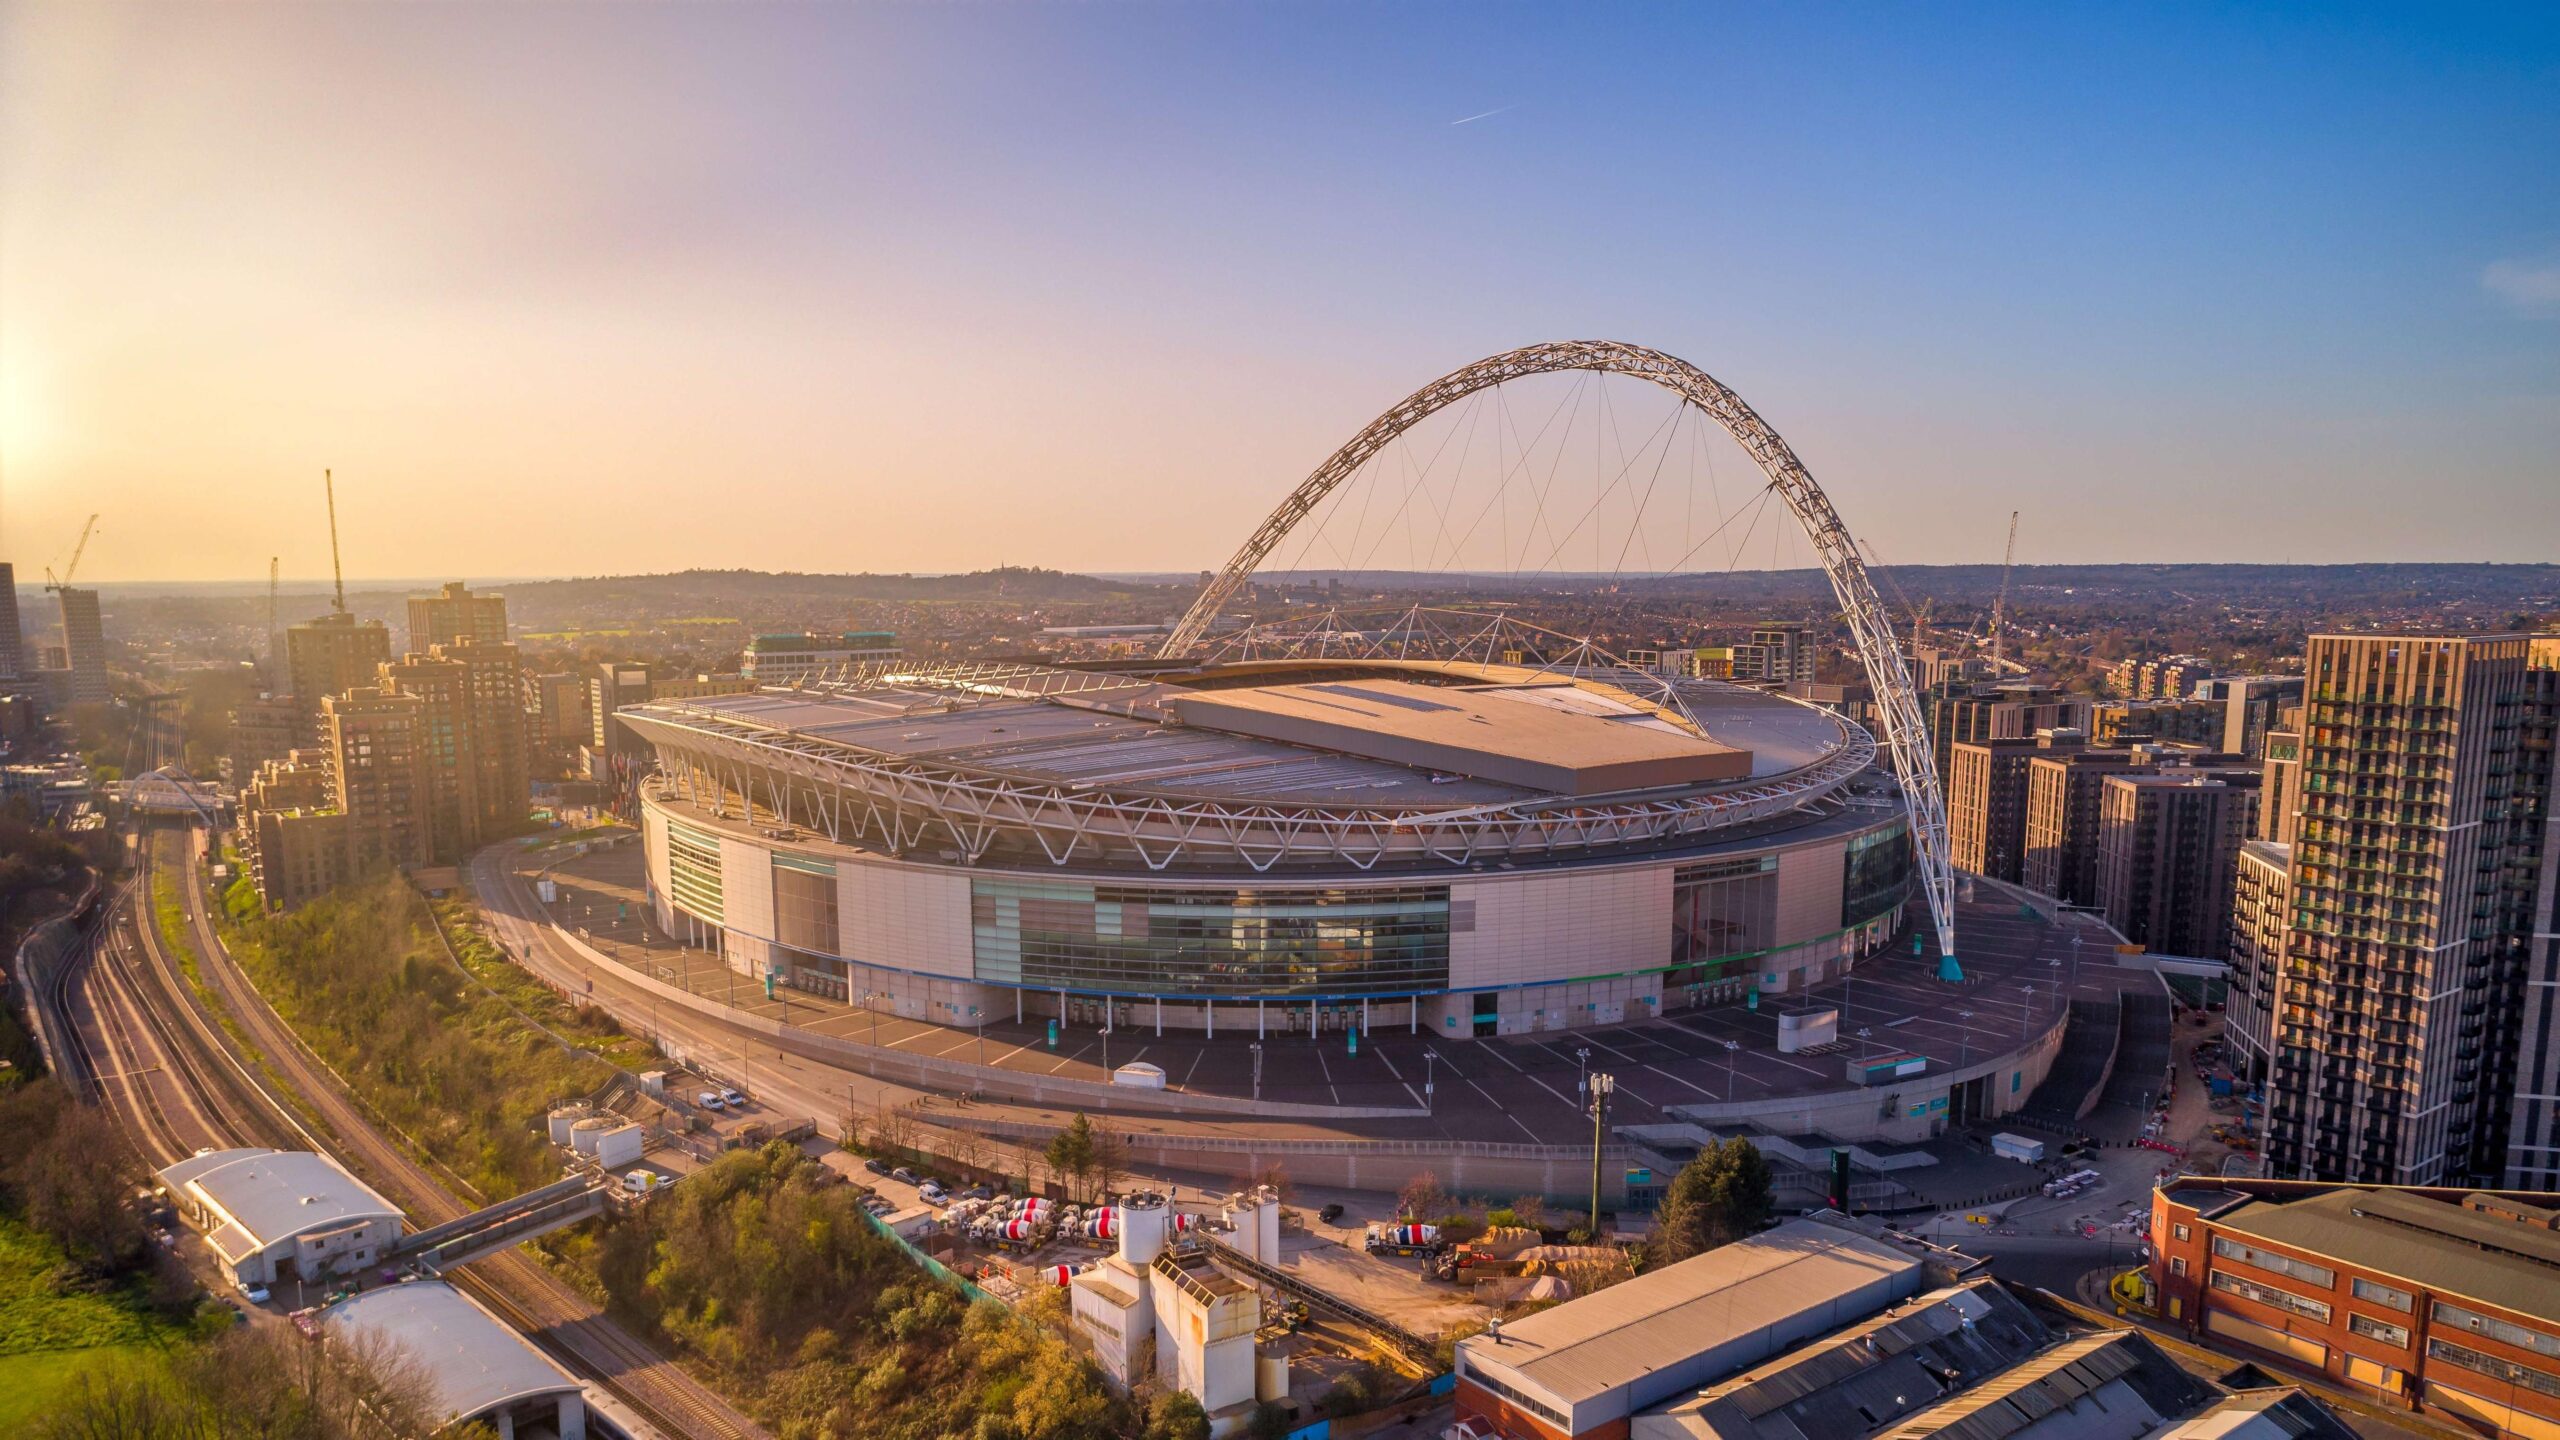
point(598, 288)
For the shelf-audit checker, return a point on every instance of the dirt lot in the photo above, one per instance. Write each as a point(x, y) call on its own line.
point(1388, 1286)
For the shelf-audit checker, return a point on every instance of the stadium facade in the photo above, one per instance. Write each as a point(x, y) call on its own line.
point(1274, 846)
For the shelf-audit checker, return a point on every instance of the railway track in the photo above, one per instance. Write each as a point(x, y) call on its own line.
point(528, 1296)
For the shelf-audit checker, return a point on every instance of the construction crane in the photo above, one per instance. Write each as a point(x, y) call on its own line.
point(330, 485)
point(2000, 602)
point(77, 551)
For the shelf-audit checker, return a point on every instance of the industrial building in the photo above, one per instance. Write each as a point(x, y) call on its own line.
point(1586, 1367)
point(272, 1216)
point(476, 1369)
point(1472, 849)
point(2431, 1300)
point(1152, 1310)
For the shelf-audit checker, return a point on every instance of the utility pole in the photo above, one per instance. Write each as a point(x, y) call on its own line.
point(337, 573)
point(1601, 1086)
point(2000, 602)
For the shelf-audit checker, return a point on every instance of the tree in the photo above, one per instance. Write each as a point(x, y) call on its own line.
point(1716, 1199)
point(1175, 1415)
point(1423, 1197)
point(1071, 1154)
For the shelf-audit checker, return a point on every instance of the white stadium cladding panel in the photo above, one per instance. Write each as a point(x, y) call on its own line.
point(970, 843)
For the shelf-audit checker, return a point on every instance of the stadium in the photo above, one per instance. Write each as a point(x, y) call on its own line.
point(1453, 824)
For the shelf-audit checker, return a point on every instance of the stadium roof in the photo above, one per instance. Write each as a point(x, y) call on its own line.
point(472, 1363)
point(1555, 736)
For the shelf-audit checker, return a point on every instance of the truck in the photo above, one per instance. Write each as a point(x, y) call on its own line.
point(2018, 1147)
point(1403, 1239)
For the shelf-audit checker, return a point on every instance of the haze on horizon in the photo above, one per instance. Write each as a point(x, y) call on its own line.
point(568, 290)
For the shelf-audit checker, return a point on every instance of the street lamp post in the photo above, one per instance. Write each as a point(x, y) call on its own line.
point(1729, 1047)
point(1582, 1081)
point(1601, 1085)
point(1964, 1039)
point(2026, 1012)
point(1256, 1048)
point(869, 1009)
point(1430, 1064)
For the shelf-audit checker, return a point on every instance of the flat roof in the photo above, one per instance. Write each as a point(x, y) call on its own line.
point(1551, 735)
point(1853, 1380)
point(271, 1195)
point(2442, 1246)
point(471, 1361)
point(1590, 1346)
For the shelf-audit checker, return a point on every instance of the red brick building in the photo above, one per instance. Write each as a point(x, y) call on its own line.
point(2443, 1301)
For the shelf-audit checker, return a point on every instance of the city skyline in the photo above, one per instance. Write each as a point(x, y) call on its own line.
point(2267, 278)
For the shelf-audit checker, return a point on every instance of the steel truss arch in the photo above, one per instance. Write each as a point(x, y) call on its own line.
point(1896, 700)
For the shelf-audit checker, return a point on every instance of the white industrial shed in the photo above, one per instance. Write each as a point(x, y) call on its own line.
point(475, 1366)
point(274, 1215)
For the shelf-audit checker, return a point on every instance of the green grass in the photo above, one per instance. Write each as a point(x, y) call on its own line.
point(48, 1335)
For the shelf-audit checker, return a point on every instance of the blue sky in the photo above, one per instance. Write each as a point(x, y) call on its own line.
point(933, 287)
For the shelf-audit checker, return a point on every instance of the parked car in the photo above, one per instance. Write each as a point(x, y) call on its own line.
point(708, 1099)
point(736, 1100)
point(979, 1192)
point(254, 1294)
point(903, 1173)
point(876, 1167)
point(933, 1194)
point(1329, 1214)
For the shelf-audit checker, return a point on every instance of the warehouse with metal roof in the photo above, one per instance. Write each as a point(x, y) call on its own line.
point(281, 1215)
point(1585, 1366)
point(474, 1367)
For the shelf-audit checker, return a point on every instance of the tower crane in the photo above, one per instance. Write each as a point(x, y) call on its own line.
point(2000, 602)
point(50, 583)
point(330, 486)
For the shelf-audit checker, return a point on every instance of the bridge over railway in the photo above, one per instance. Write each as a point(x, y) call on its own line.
point(502, 1226)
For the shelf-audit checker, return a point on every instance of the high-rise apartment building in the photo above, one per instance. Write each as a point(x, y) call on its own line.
point(262, 730)
point(2533, 1126)
point(2261, 904)
point(2252, 706)
point(441, 689)
point(1777, 651)
point(2014, 711)
point(293, 838)
point(13, 640)
point(610, 747)
point(2165, 722)
point(2168, 847)
point(471, 741)
point(453, 615)
point(2281, 802)
point(2417, 865)
point(1987, 801)
point(84, 646)
point(2062, 820)
point(332, 655)
point(377, 776)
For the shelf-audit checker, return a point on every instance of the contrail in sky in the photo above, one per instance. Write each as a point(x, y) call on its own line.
point(1489, 114)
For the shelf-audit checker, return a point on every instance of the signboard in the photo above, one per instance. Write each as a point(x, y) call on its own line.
point(1640, 1175)
point(1884, 1069)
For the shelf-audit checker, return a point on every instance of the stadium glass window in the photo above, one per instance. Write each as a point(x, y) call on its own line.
point(804, 904)
point(1134, 940)
point(1723, 908)
point(693, 871)
point(1878, 875)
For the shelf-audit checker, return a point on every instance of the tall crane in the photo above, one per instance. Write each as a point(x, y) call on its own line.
point(2000, 602)
point(50, 583)
point(330, 485)
point(274, 564)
